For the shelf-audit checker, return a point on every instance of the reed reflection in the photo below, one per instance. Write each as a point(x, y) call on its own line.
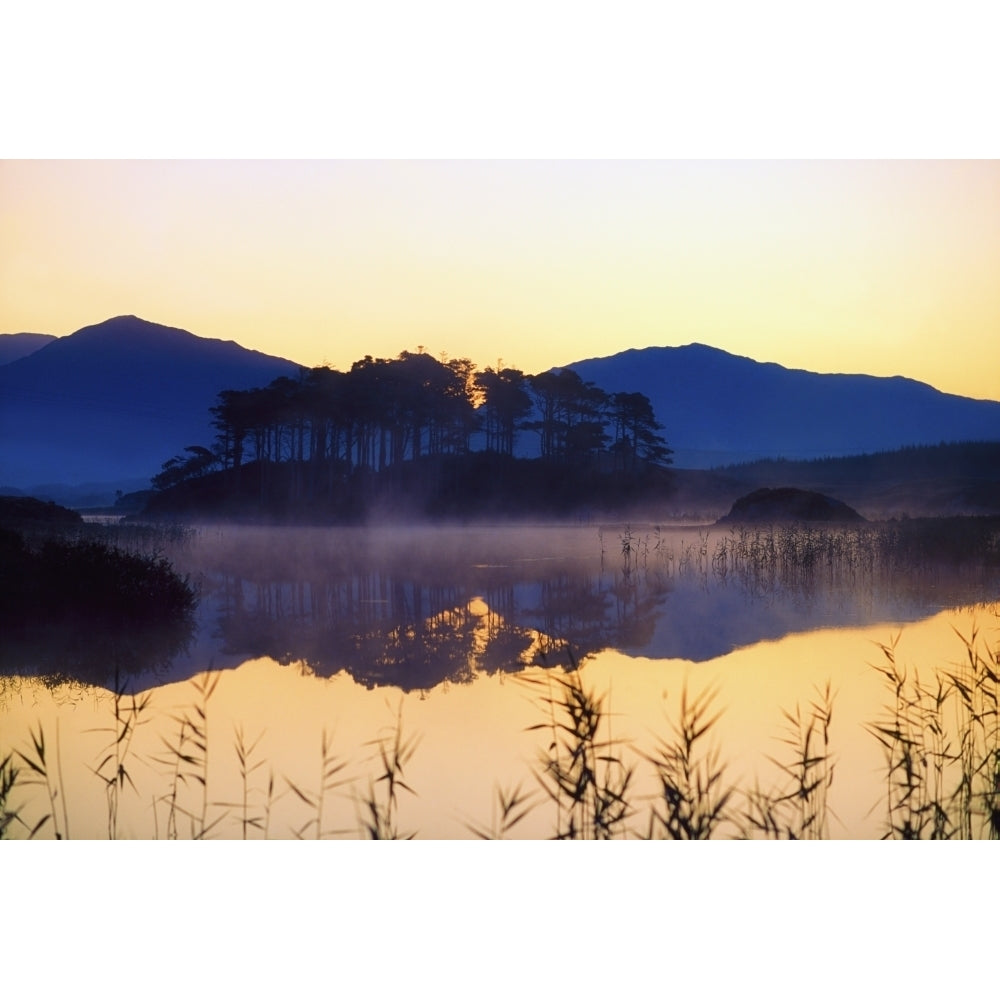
point(413, 618)
point(413, 608)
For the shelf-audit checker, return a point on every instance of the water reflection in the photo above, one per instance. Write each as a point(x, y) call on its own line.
point(103, 656)
point(473, 738)
point(317, 637)
point(411, 609)
point(416, 610)
point(394, 630)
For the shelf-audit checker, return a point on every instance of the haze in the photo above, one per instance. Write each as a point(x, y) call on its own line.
point(881, 267)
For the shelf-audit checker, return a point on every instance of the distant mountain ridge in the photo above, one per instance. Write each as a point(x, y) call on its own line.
point(115, 400)
point(19, 345)
point(718, 408)
point(112, 401)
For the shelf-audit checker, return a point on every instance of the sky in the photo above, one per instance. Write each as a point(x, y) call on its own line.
point(882, 267)
point(850, 265)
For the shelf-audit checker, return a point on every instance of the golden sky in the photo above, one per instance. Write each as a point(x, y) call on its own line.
point(883, 267)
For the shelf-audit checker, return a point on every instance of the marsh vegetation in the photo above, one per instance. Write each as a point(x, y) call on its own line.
point(90, 605)
point(577, 740)
point(200, 776)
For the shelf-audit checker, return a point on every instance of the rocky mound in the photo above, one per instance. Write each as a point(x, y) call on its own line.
point(789, 504)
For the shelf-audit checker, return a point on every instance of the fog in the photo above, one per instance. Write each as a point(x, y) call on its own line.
point(410, 607)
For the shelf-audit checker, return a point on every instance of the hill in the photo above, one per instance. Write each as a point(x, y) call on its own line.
point(787, 503)
point(719, 409)
point(942, 479)
point(113, 401)
point(19, 345)
point(102, 409)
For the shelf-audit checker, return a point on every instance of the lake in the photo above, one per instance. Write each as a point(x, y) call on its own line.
point(589, 680)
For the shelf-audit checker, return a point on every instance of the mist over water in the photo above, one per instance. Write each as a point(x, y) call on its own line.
point(335, 633)
point(399, 606)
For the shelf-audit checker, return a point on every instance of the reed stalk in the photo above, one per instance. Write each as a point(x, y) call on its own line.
point(694, 796)
point(188, 758)
point(918, 753)
point(379, 813)
point(330, 767)
point(113, 768)
point(9, 775)
point(39, 773)
point(581, 771)
point(797, 809)
point(510, 807)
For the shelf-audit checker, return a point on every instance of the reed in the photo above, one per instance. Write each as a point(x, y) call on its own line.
point(112, 770)
point(694, 801)
point(797, 808)
point(939, 733)
point(765, 556)
point(379, 809)
point(975, 685)
point(581, 770)
point(941, 742)
point(249, 818)
point(510, 807)
point(917, 751)
point(188, 759)
point(330, 779)
point(40, 772)
point(9, 774)
point(630, 553)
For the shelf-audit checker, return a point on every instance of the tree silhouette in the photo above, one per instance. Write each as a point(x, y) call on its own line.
point(198, 462)
point(635, 432)
point(505, 402)
point(571, 416)
point(334, 441)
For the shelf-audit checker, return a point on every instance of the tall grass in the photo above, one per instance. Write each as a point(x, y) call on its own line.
point(917, 752)
point(765, 556)
point(9, 774)
point(187, 757)
point(975, 686)
point(511, 806)
point(694, 801)
point(797, 809)
point(939, 734)
point(46, 772)
point(379, 809)
point(331, 777)
point(941, 742)
point(582, 769)
point(113, 768)
point(247, 812)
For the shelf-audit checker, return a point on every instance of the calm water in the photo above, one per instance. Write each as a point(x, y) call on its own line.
point(315, 648)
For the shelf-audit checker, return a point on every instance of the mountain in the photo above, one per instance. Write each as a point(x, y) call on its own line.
point(107, 405)
point(20, 345)
point(112, 402)
point(718, 408)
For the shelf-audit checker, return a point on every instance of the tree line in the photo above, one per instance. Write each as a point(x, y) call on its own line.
point(329, 425)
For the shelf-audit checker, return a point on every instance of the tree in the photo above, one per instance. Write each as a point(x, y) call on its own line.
point(179, 469)
point(572, 415)
point(636, 437)
point(505, 402)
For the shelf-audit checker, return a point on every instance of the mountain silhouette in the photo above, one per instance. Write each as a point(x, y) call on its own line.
point(718, 408)
point(114, 401)
point(20, 345)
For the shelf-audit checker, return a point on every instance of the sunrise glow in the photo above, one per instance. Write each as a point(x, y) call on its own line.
point(882, 267)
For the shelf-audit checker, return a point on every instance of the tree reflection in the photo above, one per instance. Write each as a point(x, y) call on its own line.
point(416, 607)
point(388, 628)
